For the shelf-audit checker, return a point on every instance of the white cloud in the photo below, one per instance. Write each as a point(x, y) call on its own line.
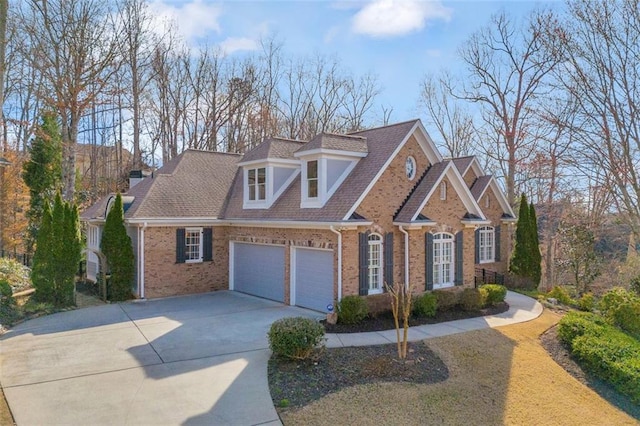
point(234, 44)
point(389, 18)
point(193, 20)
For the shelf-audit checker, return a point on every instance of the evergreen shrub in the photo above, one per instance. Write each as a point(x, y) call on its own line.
point(295, 338)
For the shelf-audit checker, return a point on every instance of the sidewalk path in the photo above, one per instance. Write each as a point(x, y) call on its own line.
point(521, 308)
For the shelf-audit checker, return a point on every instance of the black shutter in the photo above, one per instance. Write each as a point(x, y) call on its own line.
point(428, 260)
point(496, 236)
point(388, 259)
point(477, 236)
point(207, 244)
point(364, 263)
point(459, 279)
point(180, 245)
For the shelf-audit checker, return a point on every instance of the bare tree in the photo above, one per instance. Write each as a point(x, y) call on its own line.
point(4, 9)
point(73, 47)
point(507, 66)
point(454, 124)
point(601, 69)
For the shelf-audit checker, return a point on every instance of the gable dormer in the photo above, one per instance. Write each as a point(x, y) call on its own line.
point(326, 161)
point(267, 171)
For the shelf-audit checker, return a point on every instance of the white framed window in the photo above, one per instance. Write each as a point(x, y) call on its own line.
point(486, 244)
point(375, 264)
point(312, 179)
point(443, 190)
point(443, 262)
point(193, 245)
point(487, 201)
point(257, 184)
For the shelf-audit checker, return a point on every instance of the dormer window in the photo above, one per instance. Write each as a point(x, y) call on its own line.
point(257, 184)
point(312, 179)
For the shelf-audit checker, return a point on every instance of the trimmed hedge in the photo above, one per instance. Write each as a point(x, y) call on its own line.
point(295, 338)
point(425, 305)
point(447, 300)
point(496, 293)
point(471, 299)
point(352, 309)
point(604, 350)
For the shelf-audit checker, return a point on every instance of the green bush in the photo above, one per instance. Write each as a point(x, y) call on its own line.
point(496, 293)
point(8, 310)
point(471, 299)
point(425, 305)
point(586, 302)
point(447, 300)
point(612, 356)
point(561, 295)
point(352, 309)
point(575, 324)
point(622, 308)
point(16, 274)
point(295, 338)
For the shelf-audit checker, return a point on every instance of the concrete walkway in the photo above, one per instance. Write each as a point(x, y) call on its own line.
point(521, 308)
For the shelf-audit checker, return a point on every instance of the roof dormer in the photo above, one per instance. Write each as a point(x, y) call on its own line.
point(326, 161)
point(268, 170)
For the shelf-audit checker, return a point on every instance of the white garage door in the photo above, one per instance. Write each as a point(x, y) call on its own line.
point(313, 278)
point(259, 270)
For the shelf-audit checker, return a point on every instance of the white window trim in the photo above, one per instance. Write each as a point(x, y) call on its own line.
point(376, 242)
point(482, 248)
point(200, 245)
point(452, 265)
point(443, 190)
point(257, 203)
point(324, 193)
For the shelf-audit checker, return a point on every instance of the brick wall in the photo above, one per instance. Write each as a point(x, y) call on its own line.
point(164, 277)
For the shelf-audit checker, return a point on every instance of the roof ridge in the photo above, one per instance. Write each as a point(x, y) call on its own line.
point(384, 126)
point(209, 152)
point(341, 135)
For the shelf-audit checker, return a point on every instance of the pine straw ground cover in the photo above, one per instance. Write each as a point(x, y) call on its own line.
point(495, 376)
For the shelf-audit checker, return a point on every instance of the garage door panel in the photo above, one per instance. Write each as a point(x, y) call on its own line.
point(259, 270)
point(314, 278)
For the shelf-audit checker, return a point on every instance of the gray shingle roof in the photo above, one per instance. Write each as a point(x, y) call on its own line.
point(194, 184)
point(331, 141)
point(463, 163)
point(479, 186)
point(381, 142)
point(420, 192)
point(273, 148)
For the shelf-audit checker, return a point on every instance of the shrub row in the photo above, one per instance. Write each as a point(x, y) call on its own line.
point(604, 350)
point(622, 308)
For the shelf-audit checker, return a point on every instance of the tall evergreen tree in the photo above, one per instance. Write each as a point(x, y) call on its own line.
point(43, 267)
point(43, 172)
point(116, 246)
point(520, 261)
point(57, 254)
point(536, 256)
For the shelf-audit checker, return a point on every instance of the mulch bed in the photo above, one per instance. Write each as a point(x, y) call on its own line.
point(562, 356)
point(385, 321)
point(297, 383)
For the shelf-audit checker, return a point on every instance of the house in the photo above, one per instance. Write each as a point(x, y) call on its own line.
point(306, 223)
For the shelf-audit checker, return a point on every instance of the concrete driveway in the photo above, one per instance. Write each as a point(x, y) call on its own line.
point(188, 360)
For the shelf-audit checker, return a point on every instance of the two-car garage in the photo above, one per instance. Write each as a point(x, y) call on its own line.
point(259, 270)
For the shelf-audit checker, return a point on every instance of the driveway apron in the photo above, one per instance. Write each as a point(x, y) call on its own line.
point(187, 360)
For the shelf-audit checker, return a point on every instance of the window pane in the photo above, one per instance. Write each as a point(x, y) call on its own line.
point(261, 192)
point(252, 176)
point(312, 189)
point(192, 244)
point(312, 169)
point(261, 175)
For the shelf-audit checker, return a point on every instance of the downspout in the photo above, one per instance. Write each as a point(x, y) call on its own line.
point(339, 261)
point(406, 256)
point(141, 260)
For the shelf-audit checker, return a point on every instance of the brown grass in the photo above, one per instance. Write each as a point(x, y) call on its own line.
point(497, 376)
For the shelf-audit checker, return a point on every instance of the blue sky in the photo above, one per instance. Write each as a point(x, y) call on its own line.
point(398, 40)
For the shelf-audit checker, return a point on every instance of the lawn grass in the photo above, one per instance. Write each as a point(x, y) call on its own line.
point(497, 376)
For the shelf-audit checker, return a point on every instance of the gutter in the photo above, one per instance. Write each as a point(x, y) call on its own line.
point(406, 256)
point(339, 261)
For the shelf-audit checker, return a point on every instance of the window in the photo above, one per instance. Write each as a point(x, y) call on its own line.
point(256, 181)
point(487, 201)
point(442, 260)
point(486, 244)
point(443, 190)
point(375, 264)
point(312, 179)
point(193, 245)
